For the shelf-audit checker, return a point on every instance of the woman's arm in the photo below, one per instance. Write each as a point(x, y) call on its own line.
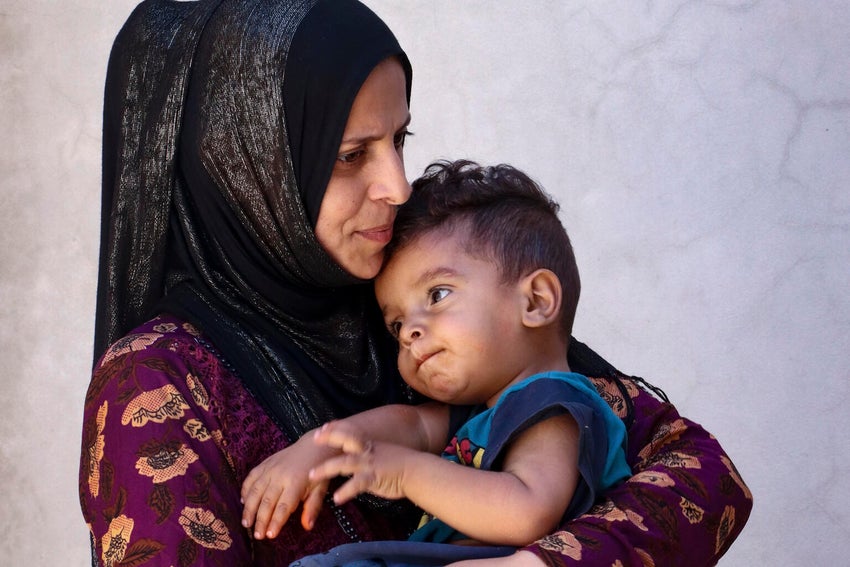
point(153, 478)
point(685, 504)
point(168, 436)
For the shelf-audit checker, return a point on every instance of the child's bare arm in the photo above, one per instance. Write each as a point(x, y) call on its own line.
point(273, 490)
point(528, 496)
point(423, 428)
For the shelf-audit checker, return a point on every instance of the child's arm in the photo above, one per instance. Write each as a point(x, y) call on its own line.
point(275, 488)
point(514, 506)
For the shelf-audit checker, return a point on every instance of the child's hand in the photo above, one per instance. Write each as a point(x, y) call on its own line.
point(374, 467)
point(273, 490)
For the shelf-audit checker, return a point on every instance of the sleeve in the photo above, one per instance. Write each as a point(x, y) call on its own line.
point(545, 398)
point(155, 484)
point(684, 505)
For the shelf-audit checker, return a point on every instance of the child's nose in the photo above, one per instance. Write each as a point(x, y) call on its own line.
point(410, 332)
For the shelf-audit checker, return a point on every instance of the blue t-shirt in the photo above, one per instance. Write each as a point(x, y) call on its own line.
point(481, 440)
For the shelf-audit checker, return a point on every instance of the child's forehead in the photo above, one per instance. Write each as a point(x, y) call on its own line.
point(428, 247)
point(444, 236)
point(445, 244)
point(455, 231)
point(438, 252)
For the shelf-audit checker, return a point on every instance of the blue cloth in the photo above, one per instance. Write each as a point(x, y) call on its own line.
point(399, 554)
point(482, 439)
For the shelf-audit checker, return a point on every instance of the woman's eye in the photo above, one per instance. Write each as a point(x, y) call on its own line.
point(394, 328)
point(401, 137)
point(438, 294)
point(350, 157)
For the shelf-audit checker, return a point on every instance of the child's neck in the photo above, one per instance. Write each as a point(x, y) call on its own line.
point(549, 360)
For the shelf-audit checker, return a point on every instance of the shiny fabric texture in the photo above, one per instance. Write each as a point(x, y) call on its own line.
point(143, 109)
point(204, 215)
point(313, 111)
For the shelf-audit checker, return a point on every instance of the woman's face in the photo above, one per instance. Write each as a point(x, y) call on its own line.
point(368, 181)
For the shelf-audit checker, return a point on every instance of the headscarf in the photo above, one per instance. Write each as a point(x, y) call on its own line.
point(222, 122)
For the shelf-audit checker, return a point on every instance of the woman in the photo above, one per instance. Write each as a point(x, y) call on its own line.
point(252, 163)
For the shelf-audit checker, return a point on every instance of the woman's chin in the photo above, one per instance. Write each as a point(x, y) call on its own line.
point(366, 268)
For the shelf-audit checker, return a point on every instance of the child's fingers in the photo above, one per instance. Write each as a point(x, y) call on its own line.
point(343, 465)
point(265, 509)
point(253, 490)
point(357, 484)
point(248, 483)
point(313, 505)
point(286, 503)
point(269, 501)
point(356, 466)
point(339, 435)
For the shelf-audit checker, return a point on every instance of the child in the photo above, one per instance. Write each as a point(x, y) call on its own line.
point(480, 289)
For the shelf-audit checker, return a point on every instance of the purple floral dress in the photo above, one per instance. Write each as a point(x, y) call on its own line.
point(684, 505)
point(169, 434)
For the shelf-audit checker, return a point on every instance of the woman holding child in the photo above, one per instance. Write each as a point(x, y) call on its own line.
point(252, 167)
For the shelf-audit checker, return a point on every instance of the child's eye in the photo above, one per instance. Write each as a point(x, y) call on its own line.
point(438, 294)
point(394, 328)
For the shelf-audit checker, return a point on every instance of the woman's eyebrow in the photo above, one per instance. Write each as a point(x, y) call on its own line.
point(371, 136)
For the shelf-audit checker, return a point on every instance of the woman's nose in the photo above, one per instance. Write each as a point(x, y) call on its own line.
point(391, 183)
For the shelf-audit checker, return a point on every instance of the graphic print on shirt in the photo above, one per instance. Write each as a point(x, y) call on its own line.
point(464, 451)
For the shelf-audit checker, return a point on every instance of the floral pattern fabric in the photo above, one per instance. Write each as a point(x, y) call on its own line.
point(684, 505)
point(169, 434)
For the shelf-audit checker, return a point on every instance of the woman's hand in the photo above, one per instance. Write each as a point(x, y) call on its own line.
point(273, 490)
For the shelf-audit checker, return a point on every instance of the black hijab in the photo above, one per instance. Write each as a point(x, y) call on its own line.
point(222, 121)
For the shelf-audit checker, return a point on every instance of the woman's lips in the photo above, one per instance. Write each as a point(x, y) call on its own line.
point(380, 234)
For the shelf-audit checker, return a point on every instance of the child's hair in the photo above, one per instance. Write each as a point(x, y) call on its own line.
point(510, 219)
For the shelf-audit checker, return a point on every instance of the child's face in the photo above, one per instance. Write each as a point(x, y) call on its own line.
point(460, 331)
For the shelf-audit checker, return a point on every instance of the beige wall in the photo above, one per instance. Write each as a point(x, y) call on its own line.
point(700, 153)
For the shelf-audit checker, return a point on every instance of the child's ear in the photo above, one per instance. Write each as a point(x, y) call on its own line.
point(542, 298)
